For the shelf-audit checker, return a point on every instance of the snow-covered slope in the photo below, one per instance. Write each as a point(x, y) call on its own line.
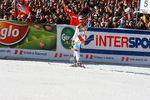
point(33, 80)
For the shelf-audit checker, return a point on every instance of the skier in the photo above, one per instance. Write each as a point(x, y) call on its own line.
point(78, 39)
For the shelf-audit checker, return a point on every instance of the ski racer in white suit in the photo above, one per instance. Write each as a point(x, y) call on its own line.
point(78, 39)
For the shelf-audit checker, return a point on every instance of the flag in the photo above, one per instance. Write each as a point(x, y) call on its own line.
point(128, 2)
point(22, 8)
point(129, 15)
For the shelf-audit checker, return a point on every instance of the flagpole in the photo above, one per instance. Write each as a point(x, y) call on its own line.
point(15, 17)
point(138, 7)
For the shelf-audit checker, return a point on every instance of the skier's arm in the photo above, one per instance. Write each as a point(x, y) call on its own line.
point(69, 12)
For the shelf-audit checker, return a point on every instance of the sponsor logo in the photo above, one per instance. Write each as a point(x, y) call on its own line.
point(11, 34)
point(89, 39)
point(127, 59)
point(5, 51)
point(122, 42)
point(66, 37)
point(25, 52)
point(117, 45)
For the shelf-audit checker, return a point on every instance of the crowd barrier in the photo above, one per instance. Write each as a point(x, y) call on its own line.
point(53, 42)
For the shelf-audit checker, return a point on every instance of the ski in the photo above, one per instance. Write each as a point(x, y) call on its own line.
point(75, 65)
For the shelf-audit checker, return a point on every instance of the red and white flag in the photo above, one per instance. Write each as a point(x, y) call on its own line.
point(22, 8)
point(129, 15)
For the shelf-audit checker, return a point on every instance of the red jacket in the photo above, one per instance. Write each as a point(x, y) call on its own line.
point(73, 17)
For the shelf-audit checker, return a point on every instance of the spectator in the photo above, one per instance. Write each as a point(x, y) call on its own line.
point(90, 22)
point(60, 19)
point(141, 25)
point(106, 13)
point(114, 24)
point(148, 26)
point(131, 25)
point(42, 19)
point(1, 11)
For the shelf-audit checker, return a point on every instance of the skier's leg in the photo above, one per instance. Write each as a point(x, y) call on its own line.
point(74, 60)
point(75, 47)
point(78, 61)
point(77, 53)
point(78, 58)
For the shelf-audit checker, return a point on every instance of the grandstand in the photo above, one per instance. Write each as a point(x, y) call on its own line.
point(106, 13)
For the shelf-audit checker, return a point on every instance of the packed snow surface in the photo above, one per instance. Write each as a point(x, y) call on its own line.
point(37, 80)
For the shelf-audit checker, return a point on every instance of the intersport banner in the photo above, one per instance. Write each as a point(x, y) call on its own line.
point(109, 45)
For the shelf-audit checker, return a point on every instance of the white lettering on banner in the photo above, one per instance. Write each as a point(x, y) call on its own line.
point(9, 32)
point(65, 37)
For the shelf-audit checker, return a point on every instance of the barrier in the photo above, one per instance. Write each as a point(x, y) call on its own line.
point(120, 46)
point(51, 42)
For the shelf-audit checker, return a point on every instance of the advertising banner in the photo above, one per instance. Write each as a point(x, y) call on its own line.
point(145, 6)
point(117, 41)
point(51, 42)
point(27, 39)
point(64, 37)
point(121, 45)
point(27, 36)
point(109, 45)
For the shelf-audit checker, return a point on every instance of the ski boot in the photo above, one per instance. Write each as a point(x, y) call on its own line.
point(74, 62)
point(79, 64)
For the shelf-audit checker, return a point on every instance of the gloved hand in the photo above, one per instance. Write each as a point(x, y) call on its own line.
point(72, 43)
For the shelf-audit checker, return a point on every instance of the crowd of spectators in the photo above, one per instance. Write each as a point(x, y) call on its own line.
point(105, 13)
